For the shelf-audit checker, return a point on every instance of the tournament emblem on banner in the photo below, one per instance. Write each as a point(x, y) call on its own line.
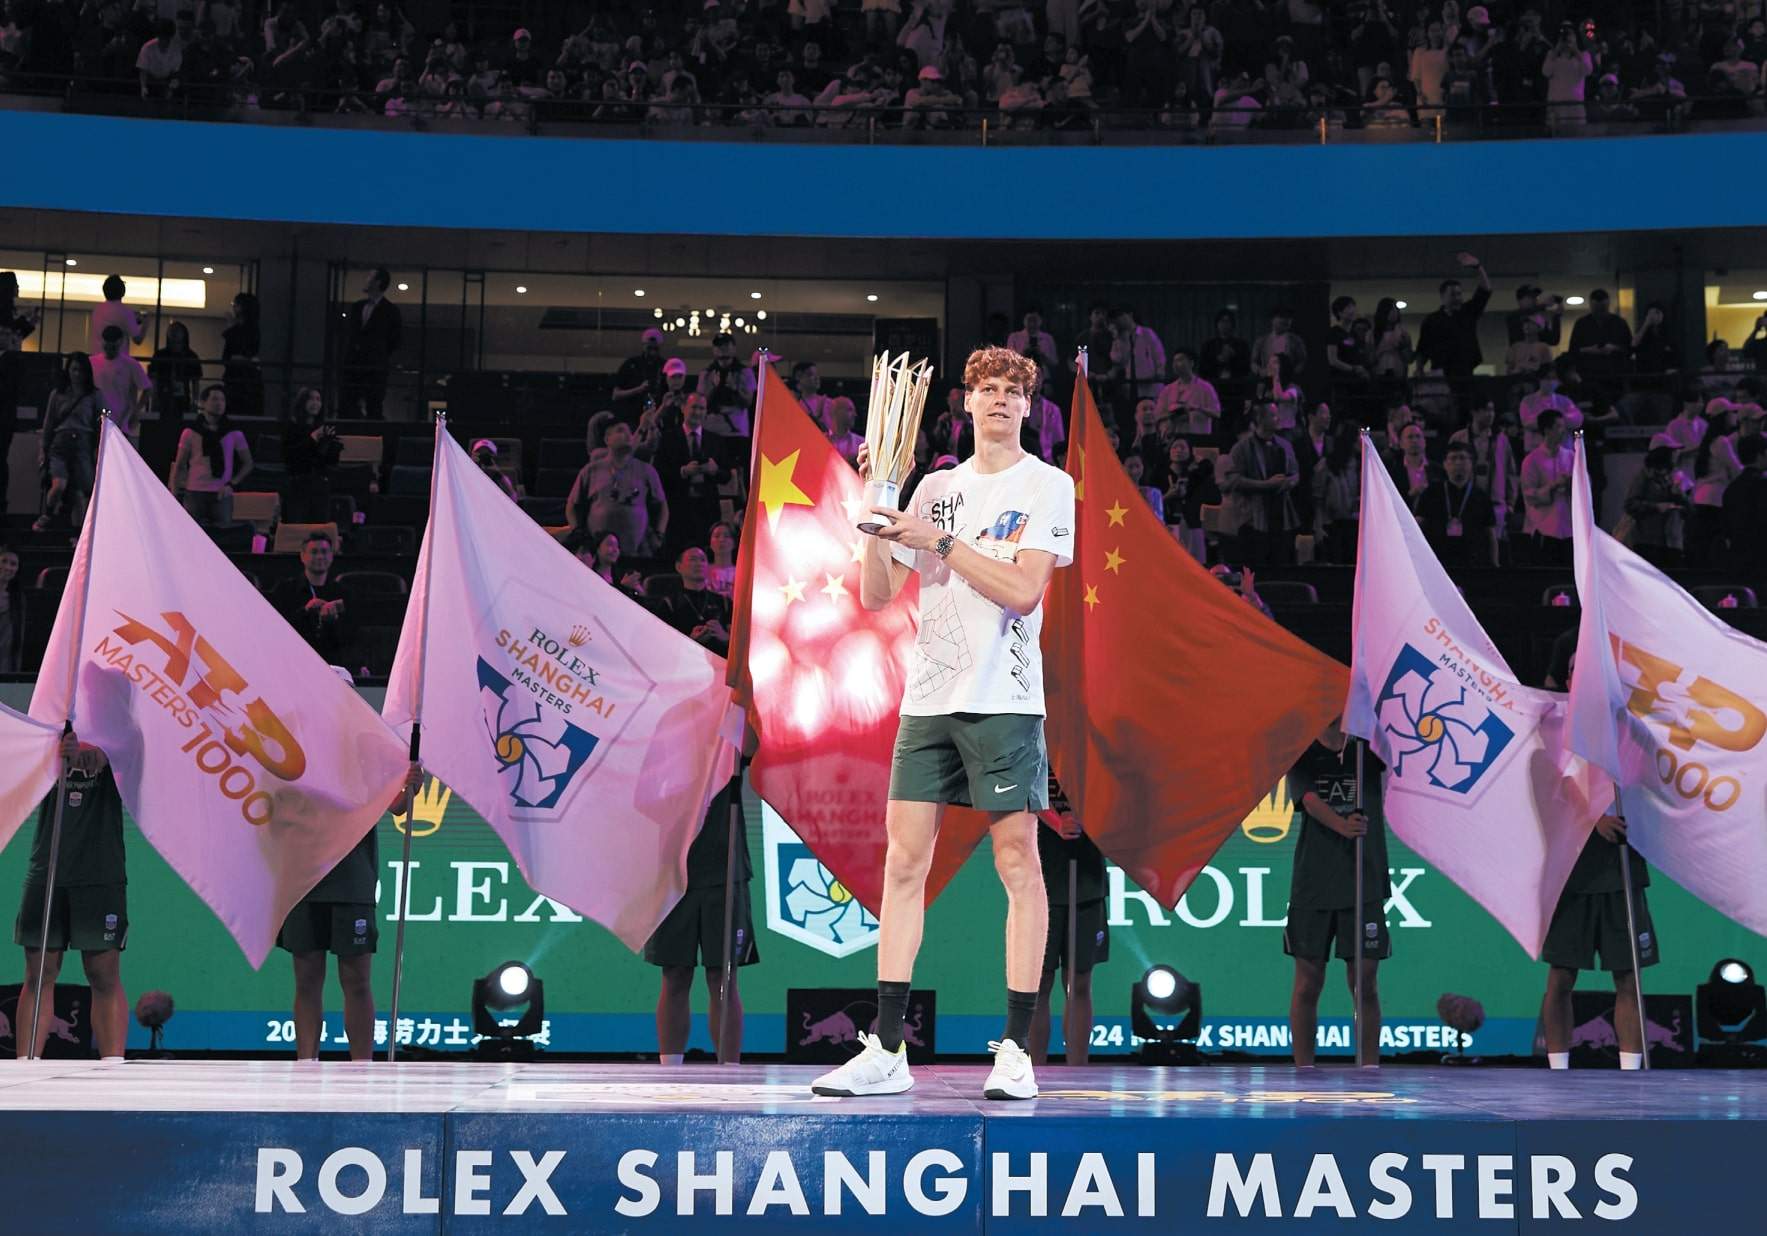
point(805, 902)
point(1440, 724)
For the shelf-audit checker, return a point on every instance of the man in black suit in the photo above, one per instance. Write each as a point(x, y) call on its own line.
point(371, 336)
point(1456, 515)
point(691, 461)
point(1311, 441)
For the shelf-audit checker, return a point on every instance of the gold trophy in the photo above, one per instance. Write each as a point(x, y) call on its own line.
point(892, 426)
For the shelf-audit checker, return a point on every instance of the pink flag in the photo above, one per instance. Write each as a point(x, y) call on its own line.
point(27, 767)
point(250, 766)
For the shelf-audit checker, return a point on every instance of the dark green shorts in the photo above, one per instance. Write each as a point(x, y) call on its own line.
point(1587, 923)
point(91, 918)
point(342, 928)
point(693, 934)
point(1310, 933)
point(995, 762)
point(1092, 937)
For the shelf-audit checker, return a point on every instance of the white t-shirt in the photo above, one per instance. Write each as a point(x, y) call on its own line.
point(117, 381)
point(114, 313)
point(972, 655)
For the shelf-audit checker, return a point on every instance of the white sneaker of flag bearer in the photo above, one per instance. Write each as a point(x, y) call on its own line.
point(245, 761)
point(892, 426)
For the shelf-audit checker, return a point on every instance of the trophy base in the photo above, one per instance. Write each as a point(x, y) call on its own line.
point(878, 493)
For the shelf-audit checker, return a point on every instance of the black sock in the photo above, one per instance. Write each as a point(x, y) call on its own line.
point(892, 1007)
point(1019, 1007)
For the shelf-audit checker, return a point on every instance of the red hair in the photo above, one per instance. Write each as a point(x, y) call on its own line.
point(992, 362)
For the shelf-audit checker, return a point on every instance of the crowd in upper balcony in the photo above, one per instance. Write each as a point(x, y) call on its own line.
point(1220, 64)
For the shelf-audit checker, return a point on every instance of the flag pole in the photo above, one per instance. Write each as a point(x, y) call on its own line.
point(415, 754)
point(731, 948)
point(1356, 1014)
point(67, 727)
point(1632, 938)
point(1067, 969)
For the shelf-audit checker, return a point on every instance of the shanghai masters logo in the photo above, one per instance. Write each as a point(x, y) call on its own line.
point(538, 751)
point(1437, 726)
point(804, 901)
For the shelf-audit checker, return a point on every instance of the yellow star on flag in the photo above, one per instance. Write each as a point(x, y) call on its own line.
point(1116, 511)
point(778, 490)
point(1112, 561)
point(792, 590)
point(1091, 597)
point(835, 589)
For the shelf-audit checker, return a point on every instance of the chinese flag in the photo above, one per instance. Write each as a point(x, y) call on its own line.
point(822, 676)
point(1174, 706)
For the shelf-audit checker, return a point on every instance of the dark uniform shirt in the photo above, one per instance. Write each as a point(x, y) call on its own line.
point(1325, 861)
point(91, 834)
point(327, 637)
point(1054, 851)
point(352, 881)
point(709, 854)
point(1598, 869)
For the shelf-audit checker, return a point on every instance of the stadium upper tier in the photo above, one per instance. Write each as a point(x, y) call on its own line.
point(397, 176)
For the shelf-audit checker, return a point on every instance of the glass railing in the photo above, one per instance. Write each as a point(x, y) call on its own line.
point(929, 122)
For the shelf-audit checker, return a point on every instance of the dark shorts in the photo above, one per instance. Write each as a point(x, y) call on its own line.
point(1589, 923)
point(693, 934)
point(1092, 938)
point(1310, 933)
point(993, 762)
point(342, 928)
point(91, 918)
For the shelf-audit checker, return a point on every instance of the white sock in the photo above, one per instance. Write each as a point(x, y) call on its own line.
point(1631, 1060)
point(1558, 1059)
point(671, 1057)
point(105, 1058)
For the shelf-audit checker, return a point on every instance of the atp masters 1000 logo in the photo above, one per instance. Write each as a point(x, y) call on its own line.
point(804, 901)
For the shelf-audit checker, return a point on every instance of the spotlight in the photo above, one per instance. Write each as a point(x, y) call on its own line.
point(638, 291)
point(760, 315)
point(1758, 295)
point(1164, 991)
point(1730, 1008)
point(1573, 301)
point(657, 312)
point(872, 296)
point(209, 270)
point(521, 289)
point(72, 261)
point(403, 287)
point(1401, 304)
point(754, 296)
point(508, 987)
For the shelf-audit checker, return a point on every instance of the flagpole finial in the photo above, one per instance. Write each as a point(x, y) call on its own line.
point(441, 414)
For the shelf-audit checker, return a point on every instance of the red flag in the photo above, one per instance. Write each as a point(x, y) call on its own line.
point(1174, 706)
point(822, 676)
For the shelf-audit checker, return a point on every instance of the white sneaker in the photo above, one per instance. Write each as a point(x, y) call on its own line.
point(1011, 1077)
point(872, 1071)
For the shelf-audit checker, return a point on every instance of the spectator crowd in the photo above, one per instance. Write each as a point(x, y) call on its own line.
point(1220, 64)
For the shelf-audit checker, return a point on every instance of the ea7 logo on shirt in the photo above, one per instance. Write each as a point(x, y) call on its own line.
point(1440, 735)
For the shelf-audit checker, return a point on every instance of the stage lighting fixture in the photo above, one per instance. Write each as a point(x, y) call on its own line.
point(1731, 1007)
point(760, 315)
point(521, 289)
point(209, 270)
point(1758, 295)
point(510, 986)
point(1573, 301)
point(403, 287)
point(754, 296)
point(1401, 304)
point(1164, 991)
point(871, 296)
point(73, 261)
point(638, 291)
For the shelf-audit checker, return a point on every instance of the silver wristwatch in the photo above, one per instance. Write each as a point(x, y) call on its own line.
point(942, 546)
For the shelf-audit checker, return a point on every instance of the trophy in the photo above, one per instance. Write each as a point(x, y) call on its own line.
point(892, 425)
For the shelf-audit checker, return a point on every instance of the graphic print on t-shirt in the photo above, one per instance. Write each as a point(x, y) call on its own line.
point(972, 654)
point(943, 647)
